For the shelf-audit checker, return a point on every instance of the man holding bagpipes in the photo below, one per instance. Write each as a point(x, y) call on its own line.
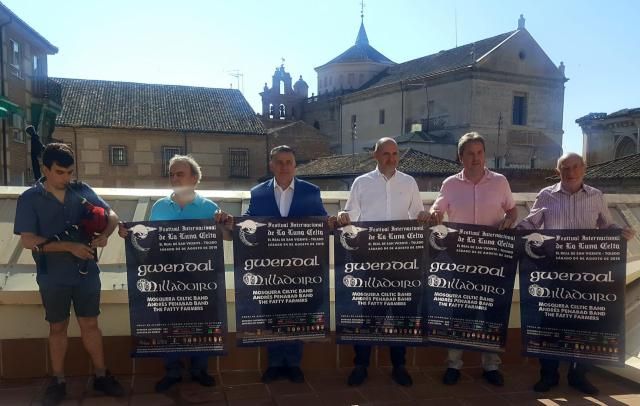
point(63, 222)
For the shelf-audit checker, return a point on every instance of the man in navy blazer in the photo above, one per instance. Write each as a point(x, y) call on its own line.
point(285, 196)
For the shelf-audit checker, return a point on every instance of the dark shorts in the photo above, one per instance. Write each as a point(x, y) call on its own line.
point(84, 295)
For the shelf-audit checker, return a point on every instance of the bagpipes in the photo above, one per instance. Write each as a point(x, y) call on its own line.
point(93, 221)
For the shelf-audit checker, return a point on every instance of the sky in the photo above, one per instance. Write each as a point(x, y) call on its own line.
point(203, 42)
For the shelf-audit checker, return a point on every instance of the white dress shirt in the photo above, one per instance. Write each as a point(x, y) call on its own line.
point(373, 197)
point(283, 197)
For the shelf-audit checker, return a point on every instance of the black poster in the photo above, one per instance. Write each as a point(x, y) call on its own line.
point(281, 274)
point(378, 274)
point(175, 272)
point(572, 285)
point(470, 274)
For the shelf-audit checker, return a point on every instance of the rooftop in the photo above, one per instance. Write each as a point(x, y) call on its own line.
point(142, 106)
point(360, 52)
point(443, 61)
point(411, 161)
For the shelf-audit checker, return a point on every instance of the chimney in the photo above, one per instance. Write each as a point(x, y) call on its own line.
point(521, 22)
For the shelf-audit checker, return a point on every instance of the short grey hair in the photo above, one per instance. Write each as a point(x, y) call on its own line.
point(188, 159)
point(469, 138)
point(569, 155)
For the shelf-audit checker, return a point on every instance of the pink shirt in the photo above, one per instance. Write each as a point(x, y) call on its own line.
point(484, 203)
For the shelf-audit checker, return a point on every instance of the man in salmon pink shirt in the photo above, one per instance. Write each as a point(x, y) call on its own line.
point(479, 196)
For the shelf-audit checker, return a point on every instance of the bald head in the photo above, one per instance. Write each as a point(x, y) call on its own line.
point(383, 141)
point(386, 154)
point(569, 155)
point(571, 169)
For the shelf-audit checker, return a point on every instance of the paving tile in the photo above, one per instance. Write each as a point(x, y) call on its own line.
point(144, 383)
point(151, 399)
point(430, 391)
point(251, 391)
point(306, 399)
point(240, 377)
point(490, 400)
point(289, 388)
point(193, 392)
point(327, 383)
point(345, 397)
point(383, 394)
point(16, 396)
point(251, 402)
point(105, 401)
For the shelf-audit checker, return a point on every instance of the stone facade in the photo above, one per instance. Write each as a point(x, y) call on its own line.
point(504, 87)
point(610, 136)
point(144, 156)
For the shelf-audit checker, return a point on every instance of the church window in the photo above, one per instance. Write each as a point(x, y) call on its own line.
point(626, 146)
point(519, 109)
point(282, 112)
point(281, 87)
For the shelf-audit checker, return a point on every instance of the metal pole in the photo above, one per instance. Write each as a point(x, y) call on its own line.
point(498, 146)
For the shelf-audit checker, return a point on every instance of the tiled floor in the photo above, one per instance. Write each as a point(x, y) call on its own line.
point(327, 387)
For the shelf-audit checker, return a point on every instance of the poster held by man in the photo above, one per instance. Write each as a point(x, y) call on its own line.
point(175, 273)
point(378, 295)
point(470, 274)
point(572, 285)
point(281, 274)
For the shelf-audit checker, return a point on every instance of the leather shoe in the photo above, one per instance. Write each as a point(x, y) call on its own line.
point(357, 377)
point(582, 384)
point(166, 383)
point(493, 377)
point(451, 376)
point(401, 376)
point(296, 375)
point(546, 383)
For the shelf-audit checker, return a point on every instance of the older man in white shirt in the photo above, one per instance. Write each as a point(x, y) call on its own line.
point(383, 194)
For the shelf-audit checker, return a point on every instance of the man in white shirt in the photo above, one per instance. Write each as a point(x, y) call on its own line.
point(383, 194)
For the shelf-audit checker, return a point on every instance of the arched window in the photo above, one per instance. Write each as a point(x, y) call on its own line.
point(626, 146)
point(271, 111)
point(282, 87)
point(283, 112)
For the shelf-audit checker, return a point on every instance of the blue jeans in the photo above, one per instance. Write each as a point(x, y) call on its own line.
point(174, 366)
point(285, 355)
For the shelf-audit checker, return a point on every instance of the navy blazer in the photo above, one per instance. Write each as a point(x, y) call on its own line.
point(306, 200)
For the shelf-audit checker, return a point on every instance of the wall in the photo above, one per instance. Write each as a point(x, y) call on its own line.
point(144, 150)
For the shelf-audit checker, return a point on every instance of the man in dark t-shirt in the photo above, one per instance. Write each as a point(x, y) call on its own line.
point(47, 216)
